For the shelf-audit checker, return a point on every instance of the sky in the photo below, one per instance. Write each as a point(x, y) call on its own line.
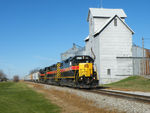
point(33, 33)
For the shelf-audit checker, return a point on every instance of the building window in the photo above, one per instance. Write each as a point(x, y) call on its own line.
point(108, 72)
point(115, 22)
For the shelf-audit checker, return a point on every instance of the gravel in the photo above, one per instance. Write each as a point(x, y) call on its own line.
point(103, 101)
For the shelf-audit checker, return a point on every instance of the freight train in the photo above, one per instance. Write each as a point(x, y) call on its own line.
point(77, 71)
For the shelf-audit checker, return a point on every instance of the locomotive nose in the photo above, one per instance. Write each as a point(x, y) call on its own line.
point(85, 69)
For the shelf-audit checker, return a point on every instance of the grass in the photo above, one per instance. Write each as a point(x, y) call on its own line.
point(18, 98)
point(135, 83)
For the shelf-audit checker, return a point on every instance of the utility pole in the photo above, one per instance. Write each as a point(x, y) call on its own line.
point(143, 56)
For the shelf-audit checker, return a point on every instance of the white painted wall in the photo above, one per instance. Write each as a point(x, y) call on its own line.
point(98, 22)
point(124, 66)
point(113, 42)
point(91, 25)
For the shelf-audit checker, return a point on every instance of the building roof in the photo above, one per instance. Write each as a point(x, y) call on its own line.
point(87, 38)
point(108, 22)
point(101, 12)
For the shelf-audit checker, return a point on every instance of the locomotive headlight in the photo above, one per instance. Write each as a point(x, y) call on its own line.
point(86, 66)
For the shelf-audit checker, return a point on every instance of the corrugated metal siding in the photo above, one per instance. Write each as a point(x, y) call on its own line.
point(141, 65)
point(138, 51)
point(72, 52)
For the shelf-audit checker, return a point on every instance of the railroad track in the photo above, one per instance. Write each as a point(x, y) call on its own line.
point(116, 94)
point(124, 95)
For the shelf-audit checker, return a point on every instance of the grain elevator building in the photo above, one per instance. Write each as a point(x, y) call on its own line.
point(109, 43)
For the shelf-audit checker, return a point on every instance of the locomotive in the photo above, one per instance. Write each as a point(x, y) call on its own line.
point(77, 71)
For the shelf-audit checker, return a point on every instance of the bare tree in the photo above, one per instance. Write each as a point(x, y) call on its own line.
point(16, 78)
point(2, 76)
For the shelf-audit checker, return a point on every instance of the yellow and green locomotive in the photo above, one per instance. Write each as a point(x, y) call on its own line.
point(77, 71)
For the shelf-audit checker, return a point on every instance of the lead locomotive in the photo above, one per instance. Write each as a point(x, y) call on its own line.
point(77, 71)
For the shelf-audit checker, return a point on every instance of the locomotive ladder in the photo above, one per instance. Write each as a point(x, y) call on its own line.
point(58, 71)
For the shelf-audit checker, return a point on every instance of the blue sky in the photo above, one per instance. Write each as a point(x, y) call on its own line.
point(33, 33)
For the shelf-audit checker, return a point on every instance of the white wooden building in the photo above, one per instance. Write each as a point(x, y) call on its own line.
point(110, 44)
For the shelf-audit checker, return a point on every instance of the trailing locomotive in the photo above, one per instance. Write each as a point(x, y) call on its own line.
point(77, 71)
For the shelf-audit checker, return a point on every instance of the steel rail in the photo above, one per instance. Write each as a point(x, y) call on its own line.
point(124, 95)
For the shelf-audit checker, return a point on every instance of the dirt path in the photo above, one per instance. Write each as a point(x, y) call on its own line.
point(69, 103)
